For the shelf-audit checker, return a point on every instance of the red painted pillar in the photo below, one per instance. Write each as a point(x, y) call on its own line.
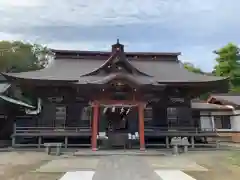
point(95, 125)
point(141, 126)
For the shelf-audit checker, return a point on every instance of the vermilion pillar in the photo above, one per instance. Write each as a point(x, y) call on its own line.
point(95, 125)
point(141, 126)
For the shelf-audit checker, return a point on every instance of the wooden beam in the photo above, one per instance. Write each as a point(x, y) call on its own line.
point(95, 125)
point(141, 126)
point(112, 102)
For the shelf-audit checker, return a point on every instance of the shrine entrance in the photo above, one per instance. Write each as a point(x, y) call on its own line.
point(117, 118)
point(118, 124)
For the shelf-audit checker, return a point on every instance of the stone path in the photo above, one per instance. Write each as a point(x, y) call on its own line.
point(83, 175)
point(119, 167)
point(124, 167)
point(173, 175)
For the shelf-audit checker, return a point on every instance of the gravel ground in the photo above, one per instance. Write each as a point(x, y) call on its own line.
point(218, 165)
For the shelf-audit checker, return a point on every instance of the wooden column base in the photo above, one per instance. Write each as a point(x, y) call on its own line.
point(95, 125)
point(94, 149)
point(141, 126)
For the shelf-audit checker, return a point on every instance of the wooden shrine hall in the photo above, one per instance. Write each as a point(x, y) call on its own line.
point(113, 87)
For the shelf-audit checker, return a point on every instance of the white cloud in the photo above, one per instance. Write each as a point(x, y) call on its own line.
point(19, 3)
point(92, 12)
point(80, 46)
point(195, 27)
point(10, 37)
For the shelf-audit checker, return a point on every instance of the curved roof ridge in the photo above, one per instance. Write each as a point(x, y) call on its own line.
point(114, 55)
point(97, 69)
point(123, 76)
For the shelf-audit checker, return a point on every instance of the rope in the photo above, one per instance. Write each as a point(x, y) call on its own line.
point(119, 105)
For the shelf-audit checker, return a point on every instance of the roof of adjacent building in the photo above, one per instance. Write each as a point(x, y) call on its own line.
point(3, 84)
point(227, 99)
point(208, 106)
point(78, 67)
point(2, 78)
point(4, 87)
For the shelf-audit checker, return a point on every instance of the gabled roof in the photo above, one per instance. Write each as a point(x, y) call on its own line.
point(116, 57)
point(162, 69)
point(74, 69)
point(103, 80)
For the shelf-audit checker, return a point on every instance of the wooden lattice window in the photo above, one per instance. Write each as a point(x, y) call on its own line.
point(222, 122)
point(60, 120)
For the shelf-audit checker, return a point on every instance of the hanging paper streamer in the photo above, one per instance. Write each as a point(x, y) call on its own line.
point(129, 109)
point(113, 109)
point(105, 110)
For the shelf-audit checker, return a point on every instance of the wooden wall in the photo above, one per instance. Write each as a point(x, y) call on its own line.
point(73, 116)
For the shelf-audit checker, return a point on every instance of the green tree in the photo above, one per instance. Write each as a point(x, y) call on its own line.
point(190, 67)
point(18, 56)
point(228, 65)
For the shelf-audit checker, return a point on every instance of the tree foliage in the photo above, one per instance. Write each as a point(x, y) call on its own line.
point(17, 56)
point(228, 65)
point(190, 67)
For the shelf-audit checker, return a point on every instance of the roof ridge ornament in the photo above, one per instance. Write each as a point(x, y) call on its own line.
point(117, 47)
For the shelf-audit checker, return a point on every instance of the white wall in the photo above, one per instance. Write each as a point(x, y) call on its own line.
point(219, 113)
point(235, 121)
point(206, 121)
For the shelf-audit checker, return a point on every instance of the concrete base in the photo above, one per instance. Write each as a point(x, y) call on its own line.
point(85, 152)
point(94, 149)
point(5, 143)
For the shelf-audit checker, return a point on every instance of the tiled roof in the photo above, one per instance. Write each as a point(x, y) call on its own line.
point(73, 69)
point(151, 71)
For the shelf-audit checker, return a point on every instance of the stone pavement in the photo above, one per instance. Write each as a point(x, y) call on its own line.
point(119, 167)
point(124, 167)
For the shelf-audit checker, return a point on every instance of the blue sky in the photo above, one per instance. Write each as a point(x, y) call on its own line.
point(193, 27)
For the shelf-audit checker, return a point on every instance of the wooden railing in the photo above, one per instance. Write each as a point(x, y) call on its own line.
point(169, 130)
point(86, 129)
point(18, 130)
